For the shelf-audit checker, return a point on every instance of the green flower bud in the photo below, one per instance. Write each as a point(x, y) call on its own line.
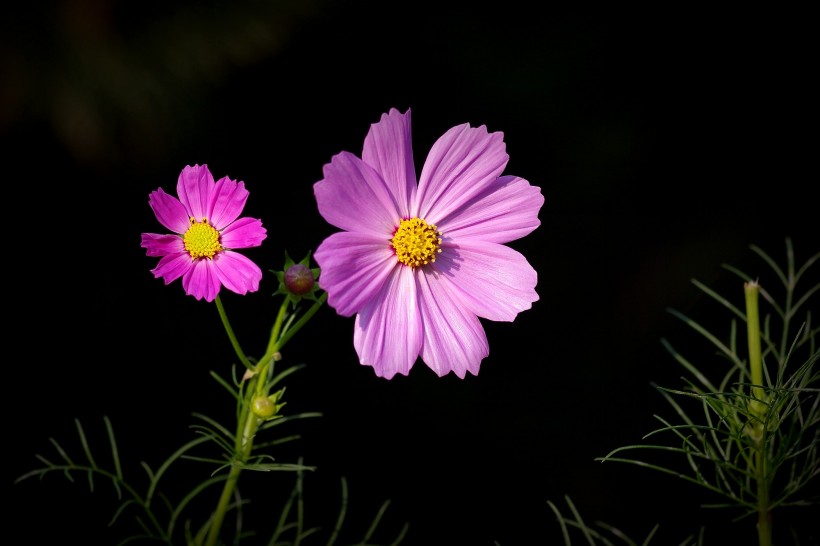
point(263, 407)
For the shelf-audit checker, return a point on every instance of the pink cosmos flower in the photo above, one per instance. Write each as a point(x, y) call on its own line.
point(418, 264)
point(206, 228)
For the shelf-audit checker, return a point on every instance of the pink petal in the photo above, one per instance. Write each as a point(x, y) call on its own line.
point(388, 149)
point(454, 340)
point(388, 333)
point(493, 281)
point(460, 165)
point(169, 211)
point(194, 188)
point(162, 245)
point(228, 198)
point(504, 211)
point(354, 268)
point(244, 233)
point(201, 280)
point(172, 266)
point(354, 197)
point(237, 272)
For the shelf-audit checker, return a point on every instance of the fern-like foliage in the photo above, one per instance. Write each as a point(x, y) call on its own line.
point(604, 534)
point(717, 431)
point(291, 530)
point(162, 519)
point(158, 523)
point(720, 434)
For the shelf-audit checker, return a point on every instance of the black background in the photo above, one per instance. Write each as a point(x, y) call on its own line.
point(665, 140)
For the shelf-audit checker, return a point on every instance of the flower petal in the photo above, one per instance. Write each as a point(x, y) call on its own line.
point(227, 199)
point(504, 211)
point(156, 244)
point(493, 281)
point(388, 332)
point(194, 188)
point(354, 197)
point(244, 233)
point(236, 272)
point(201, 280)
point(169, 211)
point(459, 166)
point(454, 339)
point(172, 266)
point(354, 268)
point(388, 149)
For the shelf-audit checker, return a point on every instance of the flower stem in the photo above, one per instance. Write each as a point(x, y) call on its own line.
point(278, 341)
point(301, 322)
point(759, 409)
point(257, 385)
point(234, 342)
point(243, 452)
point(273, 342)
point(246, 428)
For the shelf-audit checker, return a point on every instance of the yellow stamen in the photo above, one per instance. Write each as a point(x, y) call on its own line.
point(202, 240)
point(416, 242)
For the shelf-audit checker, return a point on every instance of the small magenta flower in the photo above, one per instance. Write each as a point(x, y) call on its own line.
point(206, 229)
point(419, 263)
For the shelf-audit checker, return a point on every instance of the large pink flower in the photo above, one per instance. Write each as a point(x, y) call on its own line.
point(206, 229)
point(418, 264)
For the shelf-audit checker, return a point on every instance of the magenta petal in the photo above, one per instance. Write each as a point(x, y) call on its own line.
point(493, 281)
point(236, 272)
point(388, 149)
point(172, 266)
point(459, 166)
point(201, 280)
point(506, 210)
point(354, 197)
point(228, 198)
point(169, 211)
point(388, 332)
point(194, 188)
point(244, 233)
point(156, 244)
point(354, 268)
point(454, 340)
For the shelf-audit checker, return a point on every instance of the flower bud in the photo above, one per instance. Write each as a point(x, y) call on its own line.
point(263, 407)
point(299, 279)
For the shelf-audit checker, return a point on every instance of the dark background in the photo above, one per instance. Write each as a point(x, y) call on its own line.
point(665, 140)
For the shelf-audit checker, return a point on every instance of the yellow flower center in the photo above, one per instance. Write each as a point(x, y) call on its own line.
point(416, 242)
point(202, 240)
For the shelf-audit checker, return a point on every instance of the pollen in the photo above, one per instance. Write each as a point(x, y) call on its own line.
point(202, 240)
point(416, 242)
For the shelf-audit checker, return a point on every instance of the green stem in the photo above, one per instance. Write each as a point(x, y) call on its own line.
point(248, 422)
point(246, 429)
point(231, 336)
point(273, 345)
point(302, 321)
point(758, 410)
point(246, 441)
point(278, 341)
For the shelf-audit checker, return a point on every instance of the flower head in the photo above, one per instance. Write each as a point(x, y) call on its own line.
point(419, 263)
point(206, 229)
